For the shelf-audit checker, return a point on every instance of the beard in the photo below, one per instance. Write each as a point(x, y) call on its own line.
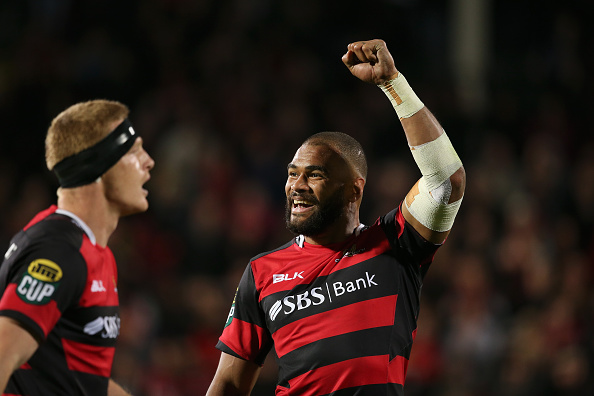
point(321, 217)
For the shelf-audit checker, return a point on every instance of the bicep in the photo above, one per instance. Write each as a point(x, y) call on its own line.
point(234, 377)
point(430, 235)
point(434, 217)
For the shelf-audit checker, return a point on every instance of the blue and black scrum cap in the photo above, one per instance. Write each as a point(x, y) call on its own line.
point(88, 165)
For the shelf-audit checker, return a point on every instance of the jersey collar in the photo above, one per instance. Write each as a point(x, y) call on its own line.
point(300, 240)
point(81, 224)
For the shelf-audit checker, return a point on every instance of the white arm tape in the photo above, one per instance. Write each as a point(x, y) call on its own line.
point(437, 160)
point(432, 214)
point(403, 98)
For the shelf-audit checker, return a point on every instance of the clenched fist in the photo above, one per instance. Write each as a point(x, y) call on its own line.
point(370, 61)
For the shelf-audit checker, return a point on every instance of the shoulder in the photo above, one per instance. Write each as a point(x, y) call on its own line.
point(275, 258)
point(279, 251)
point(55, 228)
point(393, 220)
point(403, 236)
point(53, 242)
point(266, 264)
point(395, 226)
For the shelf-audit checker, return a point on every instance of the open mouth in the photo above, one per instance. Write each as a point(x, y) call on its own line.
point(301, 205)
point(143, 186)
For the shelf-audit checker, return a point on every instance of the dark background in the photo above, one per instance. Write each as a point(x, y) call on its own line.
point(223, 92)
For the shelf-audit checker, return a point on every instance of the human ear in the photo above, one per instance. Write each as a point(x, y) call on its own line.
point(357, 189)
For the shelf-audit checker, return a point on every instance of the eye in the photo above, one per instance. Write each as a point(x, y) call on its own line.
point(316, 175)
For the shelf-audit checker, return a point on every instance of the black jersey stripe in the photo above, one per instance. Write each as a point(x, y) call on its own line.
point(358, 316)
point(302, 295)
point(81, 314)
point(374, 279)
point(367, 370)
point(370, 390)
point(333, 350)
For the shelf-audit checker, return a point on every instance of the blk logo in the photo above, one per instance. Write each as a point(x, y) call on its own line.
point(276, 278)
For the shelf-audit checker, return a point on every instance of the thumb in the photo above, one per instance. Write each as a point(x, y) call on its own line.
point(350, 59)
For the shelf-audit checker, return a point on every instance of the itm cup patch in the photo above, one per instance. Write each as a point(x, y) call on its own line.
point(39, 283)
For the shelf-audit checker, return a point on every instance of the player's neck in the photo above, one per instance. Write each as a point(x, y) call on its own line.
point(338, 232)
point(90, 205)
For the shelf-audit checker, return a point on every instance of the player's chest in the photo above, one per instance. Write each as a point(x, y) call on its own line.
point(305, 295)
point(101, 289)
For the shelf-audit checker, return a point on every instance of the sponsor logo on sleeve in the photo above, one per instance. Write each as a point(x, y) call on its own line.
point(40, 282)
point(232, 311)
point(10, 251)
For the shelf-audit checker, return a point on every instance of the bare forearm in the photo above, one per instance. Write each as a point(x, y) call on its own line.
point(421, 128)
point(113, 389)
point(4, 376)
point(223, 389)
point(432, 203)
point(234, 377)
point(16, 347)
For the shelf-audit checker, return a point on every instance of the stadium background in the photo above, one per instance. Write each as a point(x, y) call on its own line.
point(224, 91)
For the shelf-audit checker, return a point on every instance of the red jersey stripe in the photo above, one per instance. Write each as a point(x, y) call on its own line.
point(370, 245)
point(100, 265)
point(40, 216)
point(397, 370)
point(45, 315)
point(382, 245)
point(376, 313)
point(87, 358)
point(347, 374)
point(400, 221)
point(238, 336)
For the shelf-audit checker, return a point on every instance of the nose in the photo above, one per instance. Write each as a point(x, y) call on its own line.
point(149, 162)
point(300, 184)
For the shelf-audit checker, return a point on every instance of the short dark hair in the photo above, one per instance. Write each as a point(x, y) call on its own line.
point(346, 146)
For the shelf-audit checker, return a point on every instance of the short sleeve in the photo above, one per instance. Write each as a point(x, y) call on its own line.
point(407, 243)
point(245, 335)
point(41, 283)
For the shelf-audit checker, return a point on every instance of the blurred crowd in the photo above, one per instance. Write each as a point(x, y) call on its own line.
point(224, 91)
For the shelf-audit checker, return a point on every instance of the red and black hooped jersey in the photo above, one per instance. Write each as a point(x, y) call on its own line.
point(61, 287)
point(342, 318)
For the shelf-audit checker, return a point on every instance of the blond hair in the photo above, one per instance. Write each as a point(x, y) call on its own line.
point(79, 127)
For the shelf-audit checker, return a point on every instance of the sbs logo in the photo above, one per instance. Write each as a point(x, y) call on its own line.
point(297, 302)
point(318, 295)
point(107, 326)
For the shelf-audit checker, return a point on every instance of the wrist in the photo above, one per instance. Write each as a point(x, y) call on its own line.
point(401, 95)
